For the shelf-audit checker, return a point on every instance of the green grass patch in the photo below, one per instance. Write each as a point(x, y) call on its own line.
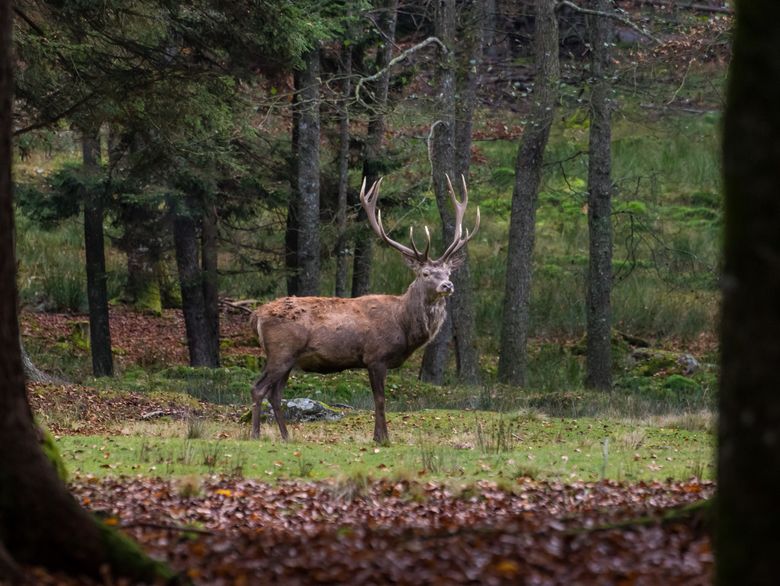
point(436, 444)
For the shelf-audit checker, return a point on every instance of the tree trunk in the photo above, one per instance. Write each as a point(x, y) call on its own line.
point(462, 303)
point(308, 176)
point(598, 354)
point(341, 208)
point(291, 244)
point(209, 250)
point(291, 223)
point(442, 154)
point(40, 522)
point(143, 284)
point(515, 324)
point(489, 26)
point(97, 293)
point(141, 239)
point(451, 155)
point(31, 372)
point(185, 237)
point(373, 164)
point(747, 540)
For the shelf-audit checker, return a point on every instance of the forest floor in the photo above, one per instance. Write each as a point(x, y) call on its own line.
point(461, 496)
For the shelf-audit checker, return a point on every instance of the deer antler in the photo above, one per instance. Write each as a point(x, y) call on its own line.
point(375, 219)
point(459, 240)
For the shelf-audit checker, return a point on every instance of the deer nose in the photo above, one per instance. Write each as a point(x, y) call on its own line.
point(445, 288)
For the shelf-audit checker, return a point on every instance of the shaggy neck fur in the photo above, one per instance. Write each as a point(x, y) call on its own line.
point(424, 314)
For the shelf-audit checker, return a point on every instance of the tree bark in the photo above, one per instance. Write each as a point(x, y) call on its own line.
point(308, 176)
point(598, 353)
point(373, 164)
point(747, 540)
point(185, 237)
point(341, 208)
point(143, 284)
point(462, 303)
point(40, 522)
point(515, 326)
point(141, 240)
point(209, 250)
point(451, 155)
point(31, 372)
point(94, 247)
point(442, 153)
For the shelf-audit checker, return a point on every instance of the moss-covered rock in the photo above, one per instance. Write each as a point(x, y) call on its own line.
point(148, 298)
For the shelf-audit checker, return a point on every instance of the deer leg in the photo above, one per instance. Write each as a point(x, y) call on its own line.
point(259, 392)
point(276, 403)
point(377, 375)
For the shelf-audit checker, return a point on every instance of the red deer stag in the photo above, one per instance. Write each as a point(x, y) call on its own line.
point(376, 332)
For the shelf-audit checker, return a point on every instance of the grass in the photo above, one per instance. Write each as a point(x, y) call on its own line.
point(52, 274)
point(435, 444)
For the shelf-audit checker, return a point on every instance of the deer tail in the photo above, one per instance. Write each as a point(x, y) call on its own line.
point(254, 323)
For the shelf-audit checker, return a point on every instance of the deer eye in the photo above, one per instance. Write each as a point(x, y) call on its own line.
point(426, 273)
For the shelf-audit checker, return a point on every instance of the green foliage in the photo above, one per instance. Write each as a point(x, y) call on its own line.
point(58, 198)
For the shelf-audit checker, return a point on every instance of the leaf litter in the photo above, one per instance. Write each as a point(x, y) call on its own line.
point(222, 530)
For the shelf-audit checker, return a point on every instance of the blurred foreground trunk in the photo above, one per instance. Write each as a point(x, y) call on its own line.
point(747, 539)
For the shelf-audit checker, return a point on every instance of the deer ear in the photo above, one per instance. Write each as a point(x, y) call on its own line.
point(412, 263)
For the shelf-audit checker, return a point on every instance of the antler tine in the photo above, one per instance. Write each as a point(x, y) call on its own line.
point(369, 200)
point(459, 240)
point(422, 256)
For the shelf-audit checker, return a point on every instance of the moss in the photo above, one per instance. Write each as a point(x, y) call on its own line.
point(247, 361)
point(51, 452)
point(149, 298)
point(126, 558)
point(681, 384)
point(651, 362)
point(79, 334)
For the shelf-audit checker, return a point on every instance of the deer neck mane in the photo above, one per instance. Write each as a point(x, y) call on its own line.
point(424, 315)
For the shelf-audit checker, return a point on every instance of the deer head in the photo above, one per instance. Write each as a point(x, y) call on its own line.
point(432, 275)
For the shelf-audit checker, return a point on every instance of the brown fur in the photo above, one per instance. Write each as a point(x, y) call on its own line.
point(375, 332)
point(324, 334)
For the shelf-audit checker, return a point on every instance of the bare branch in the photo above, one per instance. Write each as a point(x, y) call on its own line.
point(692, 7)
point(612, 15)
point(395, 61)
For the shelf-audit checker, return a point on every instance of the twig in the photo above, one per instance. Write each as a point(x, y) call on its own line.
point(168, 527)
point(614, 16)
point(682, 83)
point(394, 61)
point(240, 305)
point(565, 159)
point(678, 108)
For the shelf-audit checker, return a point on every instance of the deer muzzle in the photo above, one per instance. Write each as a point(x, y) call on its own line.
point(445, 289)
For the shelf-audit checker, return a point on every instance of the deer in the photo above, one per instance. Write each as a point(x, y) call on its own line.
point(374, 332)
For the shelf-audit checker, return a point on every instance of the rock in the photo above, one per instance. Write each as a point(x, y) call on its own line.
point(303, 409)
point(297, 410)
point(649, 362)
point(688, 363)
